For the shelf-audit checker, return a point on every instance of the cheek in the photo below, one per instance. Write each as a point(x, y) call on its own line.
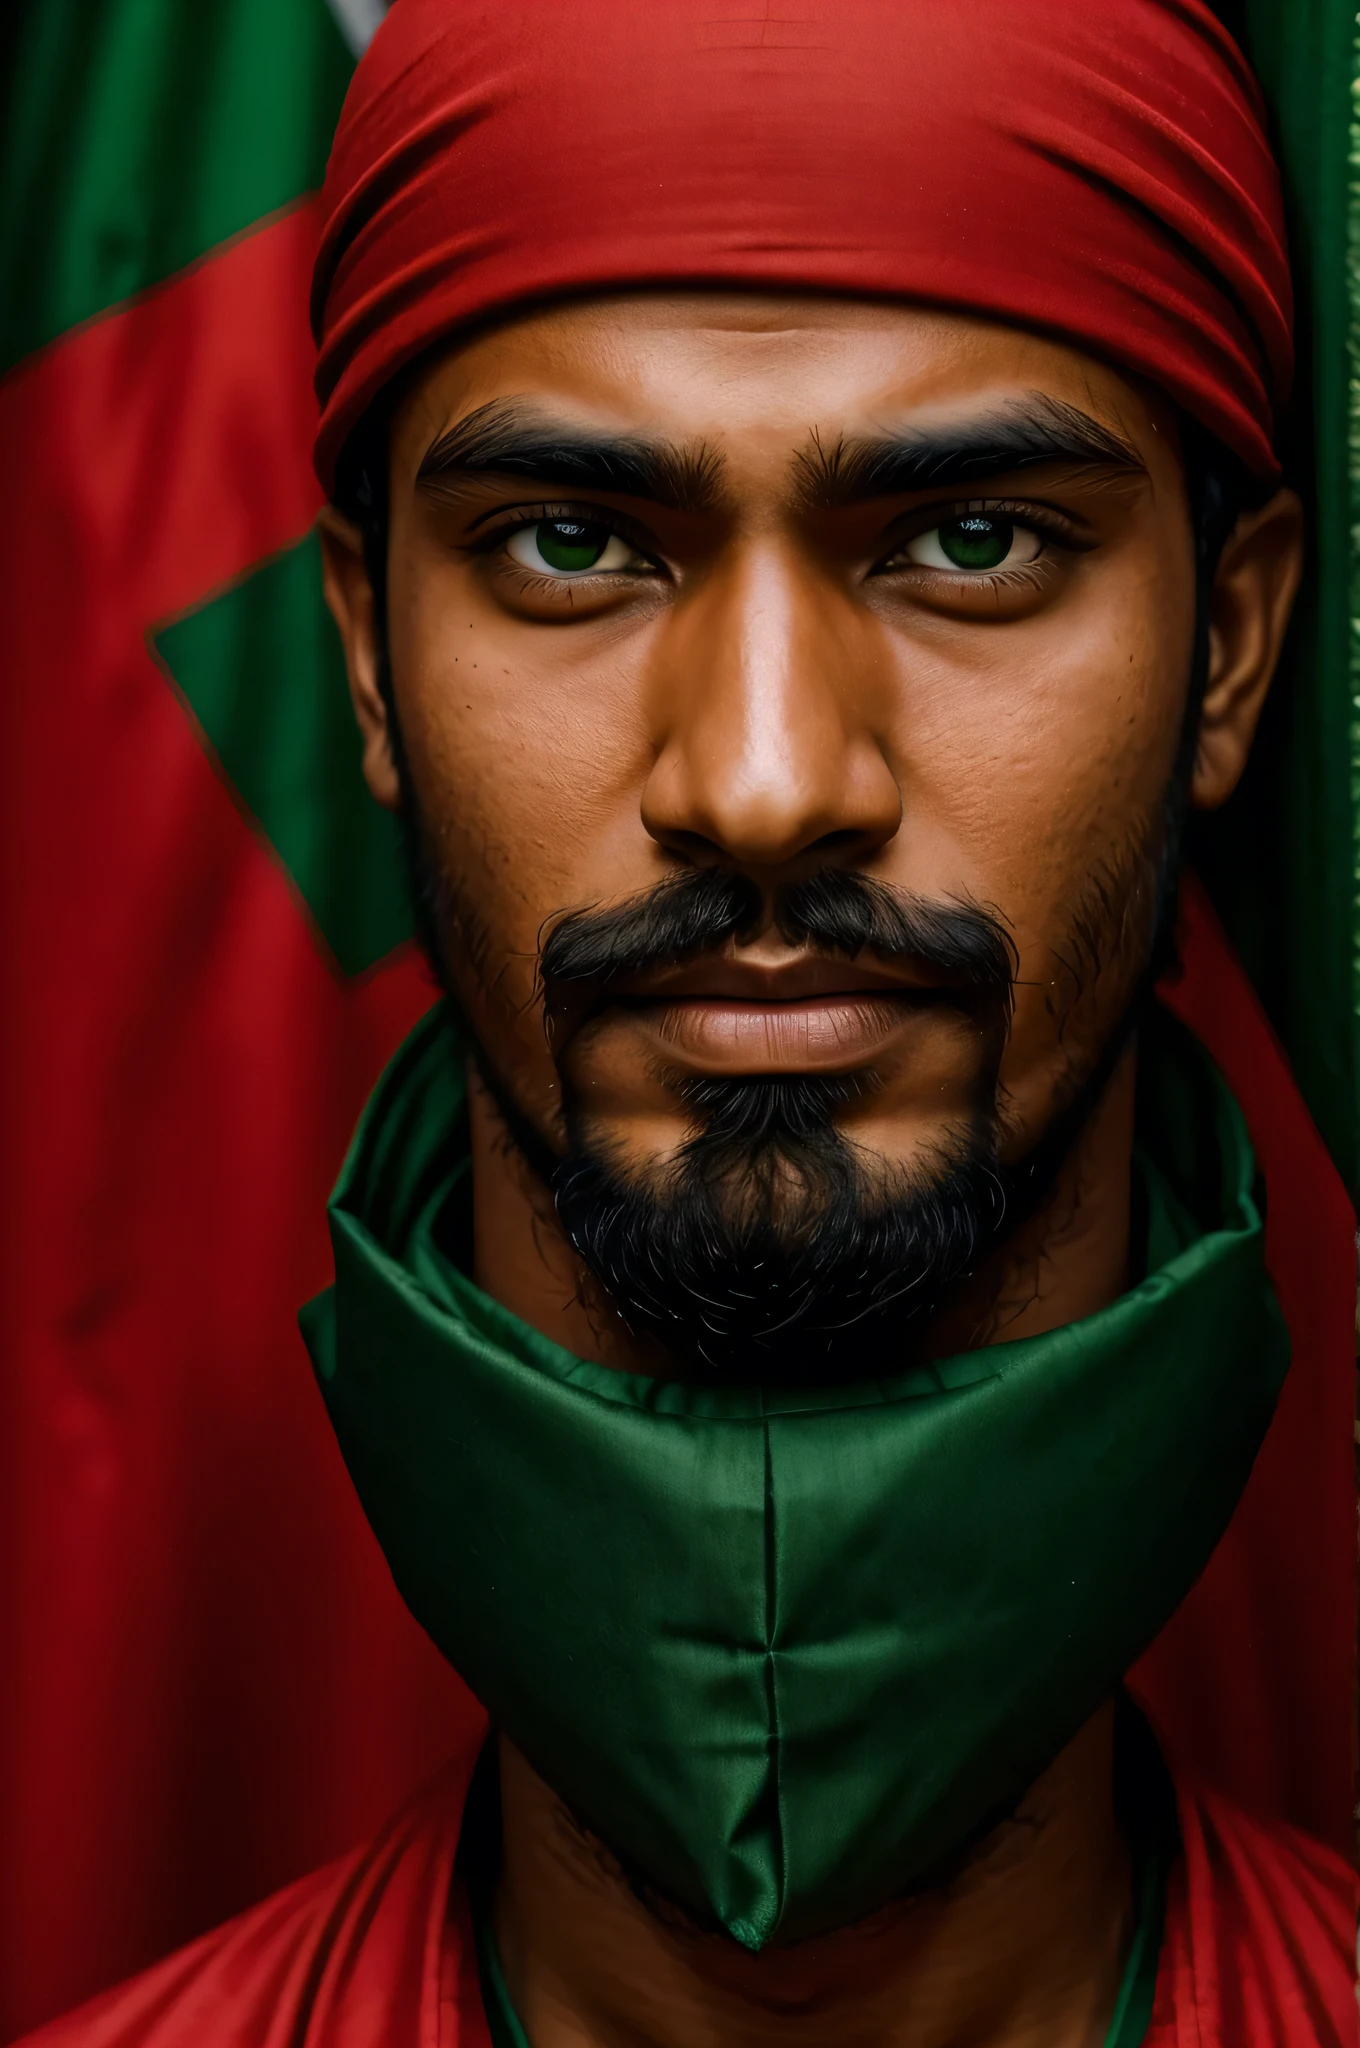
point(1039, 766)
point(1033, 745)
point(528, 754)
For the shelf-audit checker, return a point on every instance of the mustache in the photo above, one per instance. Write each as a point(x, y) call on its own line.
point(837, 911)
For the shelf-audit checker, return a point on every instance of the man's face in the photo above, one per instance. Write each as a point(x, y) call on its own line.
point(752, 597)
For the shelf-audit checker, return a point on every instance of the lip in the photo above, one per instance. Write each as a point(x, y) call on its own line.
point(758, 1011)
point(738, 978)
point(818, 1033)
point(739, 1013)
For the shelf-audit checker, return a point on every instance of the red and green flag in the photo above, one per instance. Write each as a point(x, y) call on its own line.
point(209, 1684)
point(1283, 860)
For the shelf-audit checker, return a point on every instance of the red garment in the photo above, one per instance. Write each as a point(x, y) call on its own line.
point(377, 1951)
point(1101, 172)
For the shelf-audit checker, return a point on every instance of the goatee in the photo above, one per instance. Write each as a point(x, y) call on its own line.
point(772, 1248)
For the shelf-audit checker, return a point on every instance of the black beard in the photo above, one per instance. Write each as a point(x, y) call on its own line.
point(772, 1249)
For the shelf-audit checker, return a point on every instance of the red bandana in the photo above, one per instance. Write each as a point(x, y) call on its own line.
point(1098, 171)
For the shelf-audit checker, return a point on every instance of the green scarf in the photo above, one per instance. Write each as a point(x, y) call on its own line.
point(786, 1652)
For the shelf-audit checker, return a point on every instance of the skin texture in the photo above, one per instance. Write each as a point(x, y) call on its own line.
point(771, 681)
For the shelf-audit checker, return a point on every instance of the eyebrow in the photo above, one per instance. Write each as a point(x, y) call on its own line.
point(1028, 433)
point(514, 439)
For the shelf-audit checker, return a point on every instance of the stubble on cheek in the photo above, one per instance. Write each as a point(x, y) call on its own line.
point(1110, 932)
point(478, 924)
point(1097, 963)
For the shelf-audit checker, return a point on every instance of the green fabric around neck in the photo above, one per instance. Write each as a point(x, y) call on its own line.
point(502, 2021)
point(1138, 1993)
point(786, 1652)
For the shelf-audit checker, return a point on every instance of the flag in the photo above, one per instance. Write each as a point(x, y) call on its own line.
point(210, 1684)
point(1283, 860)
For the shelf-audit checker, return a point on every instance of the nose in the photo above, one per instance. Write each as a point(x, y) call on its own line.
point(765, 703)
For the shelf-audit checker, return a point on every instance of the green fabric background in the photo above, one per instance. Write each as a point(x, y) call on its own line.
point(261, 669)
point(1281, 860)
point(140, 134)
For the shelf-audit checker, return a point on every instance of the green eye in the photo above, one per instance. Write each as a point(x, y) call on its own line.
point(569, 547)
point(566, 545)
point(975, 541)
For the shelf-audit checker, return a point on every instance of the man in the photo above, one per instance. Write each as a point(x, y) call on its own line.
point(806, 529)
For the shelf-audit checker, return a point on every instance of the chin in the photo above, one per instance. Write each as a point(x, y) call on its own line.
point(772, 1248)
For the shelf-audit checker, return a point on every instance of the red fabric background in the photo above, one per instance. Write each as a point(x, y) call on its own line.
point(209, 1683)
point(1253, 1682)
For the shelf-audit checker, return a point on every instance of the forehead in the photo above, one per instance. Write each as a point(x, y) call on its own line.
point(757, 373)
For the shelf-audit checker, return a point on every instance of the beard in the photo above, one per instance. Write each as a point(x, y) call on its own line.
point(772, 1249)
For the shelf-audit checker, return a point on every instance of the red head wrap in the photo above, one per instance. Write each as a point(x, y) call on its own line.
point(1093, 168)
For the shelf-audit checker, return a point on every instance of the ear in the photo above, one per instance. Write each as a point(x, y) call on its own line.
point(1253, 594)
point(349, 595)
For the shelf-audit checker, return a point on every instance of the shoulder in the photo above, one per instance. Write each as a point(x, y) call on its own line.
point(1261, 1932)
point(365, 1934)
point(225, 1987)
point(1270, 1874)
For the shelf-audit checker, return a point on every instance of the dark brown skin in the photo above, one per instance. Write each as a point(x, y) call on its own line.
point(772, 680)
point(1026, 1948)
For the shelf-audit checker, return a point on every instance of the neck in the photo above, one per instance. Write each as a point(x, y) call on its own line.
point(1026, 1945)
point(1024, 1948)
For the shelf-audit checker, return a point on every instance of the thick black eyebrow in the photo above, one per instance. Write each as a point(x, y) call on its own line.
point(511, 438)
point(1029, 432)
